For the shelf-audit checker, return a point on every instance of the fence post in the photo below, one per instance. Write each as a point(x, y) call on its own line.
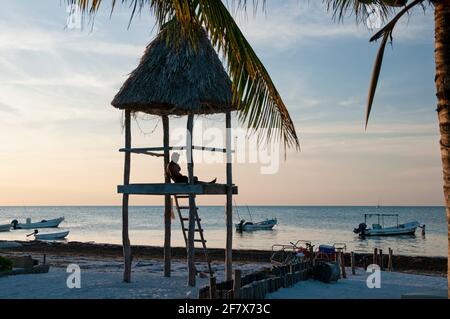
point(390, 260)
point(344, 275)
point(212, 288)
point(352, 262)
point(381, 259)
point(237, 284)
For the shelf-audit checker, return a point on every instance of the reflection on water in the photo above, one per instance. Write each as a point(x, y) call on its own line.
point(321, 225)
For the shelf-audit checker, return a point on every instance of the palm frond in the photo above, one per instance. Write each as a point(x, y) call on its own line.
point(260, 105)
point(259, 102)
point(361, 10)
point(386, 33)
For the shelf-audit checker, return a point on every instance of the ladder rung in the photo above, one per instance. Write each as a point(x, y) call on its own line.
point(196, 230)
point(187, 219)
point(199, 241)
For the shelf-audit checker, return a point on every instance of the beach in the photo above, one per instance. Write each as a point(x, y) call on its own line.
point(101, 277)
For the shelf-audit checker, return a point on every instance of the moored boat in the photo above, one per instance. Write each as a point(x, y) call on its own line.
point(267, 224)
point(42, 224)
point(50, 236)
point(378, 229)
point(5, 228)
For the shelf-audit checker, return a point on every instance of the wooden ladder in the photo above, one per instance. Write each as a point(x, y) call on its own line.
point(199, 228)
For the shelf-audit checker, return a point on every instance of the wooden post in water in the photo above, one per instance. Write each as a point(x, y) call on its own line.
point(229, 205)
point(237, 284)
point(375, 255)
point(381, 259)
point(212, 288)
point(352, 262)
point(390, 260)
point(125, 200)
point(167, 202)
point(191, 228)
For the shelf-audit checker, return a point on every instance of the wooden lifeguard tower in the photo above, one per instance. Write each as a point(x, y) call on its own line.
point(177, 79)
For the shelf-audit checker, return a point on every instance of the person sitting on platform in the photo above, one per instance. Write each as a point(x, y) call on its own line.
point(173, 171)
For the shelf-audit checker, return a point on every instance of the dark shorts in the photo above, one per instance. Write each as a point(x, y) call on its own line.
point(185, 179)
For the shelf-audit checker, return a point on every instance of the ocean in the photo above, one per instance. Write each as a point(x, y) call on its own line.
point(318, 224)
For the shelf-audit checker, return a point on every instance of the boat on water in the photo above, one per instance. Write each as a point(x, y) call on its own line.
point(243, 225)
point(378, 229)
point(5, 228)
point(49, 236)
point(42, 224)
point(267, 224)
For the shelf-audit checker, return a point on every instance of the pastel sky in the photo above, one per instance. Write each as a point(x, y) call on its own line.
point(59, 135)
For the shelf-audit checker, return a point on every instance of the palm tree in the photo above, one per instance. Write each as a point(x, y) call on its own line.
point(391, 11)
point(260, 106)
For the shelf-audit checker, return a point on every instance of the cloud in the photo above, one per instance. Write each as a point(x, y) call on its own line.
point(7, 108)
point(286, 25)
point(352, 101)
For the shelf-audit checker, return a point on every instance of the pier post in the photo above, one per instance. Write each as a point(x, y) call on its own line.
point(375, 256)
point(125, 200)
point(167, 202)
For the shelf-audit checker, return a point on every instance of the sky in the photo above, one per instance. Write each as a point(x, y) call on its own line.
point(59, 135)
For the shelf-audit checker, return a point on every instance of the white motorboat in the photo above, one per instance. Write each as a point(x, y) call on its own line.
point(42, 224)
point(267, 224)
point(5, 228)
point(49, 236)
point(378, 229)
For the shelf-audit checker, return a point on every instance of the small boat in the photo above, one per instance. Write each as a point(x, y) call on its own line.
point(267, 224)
point(42, 224)
point(379, 229)
point(5, 228)
point(49, 236)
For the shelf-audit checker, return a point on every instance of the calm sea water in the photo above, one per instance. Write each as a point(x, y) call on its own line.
point(321, 225)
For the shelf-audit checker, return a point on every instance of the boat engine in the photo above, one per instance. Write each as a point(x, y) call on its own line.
point(14, 224)
point(361, 229)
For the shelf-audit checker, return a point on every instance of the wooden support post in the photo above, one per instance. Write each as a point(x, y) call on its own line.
point(212, 288)
point(125, 199)
point(167, 202)
point(192, 208)
point(237, 284)
point(229, 205)
point(381, 259)
point(375, 255)
point(390, 259)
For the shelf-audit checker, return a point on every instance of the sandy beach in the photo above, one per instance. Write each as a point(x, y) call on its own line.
point(101, 277)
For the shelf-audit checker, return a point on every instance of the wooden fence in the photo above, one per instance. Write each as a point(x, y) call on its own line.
point(256, 285)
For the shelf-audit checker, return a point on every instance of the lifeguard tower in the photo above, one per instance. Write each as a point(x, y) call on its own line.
point(176, 78)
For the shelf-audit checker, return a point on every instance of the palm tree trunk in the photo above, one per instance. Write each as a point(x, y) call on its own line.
point(442, 56)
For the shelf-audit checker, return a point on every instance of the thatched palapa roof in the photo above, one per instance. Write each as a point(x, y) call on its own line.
point(177, 80)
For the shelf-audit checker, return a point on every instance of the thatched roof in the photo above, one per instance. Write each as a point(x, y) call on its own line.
point(177, 80)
